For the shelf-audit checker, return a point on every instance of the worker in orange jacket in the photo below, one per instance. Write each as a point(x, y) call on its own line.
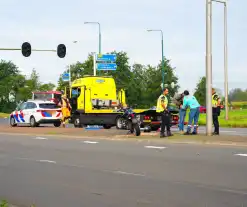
point(66, 108)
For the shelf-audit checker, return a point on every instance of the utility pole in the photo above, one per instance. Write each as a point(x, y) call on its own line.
point(209, 66)
point(225, 57)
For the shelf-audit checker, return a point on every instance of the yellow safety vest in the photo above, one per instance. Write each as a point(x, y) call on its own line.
point(215, 99)
point(65, 103)
point(161, 99)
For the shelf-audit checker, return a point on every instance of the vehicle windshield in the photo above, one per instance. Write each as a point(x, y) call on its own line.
point(48, 106)
point(43, 96)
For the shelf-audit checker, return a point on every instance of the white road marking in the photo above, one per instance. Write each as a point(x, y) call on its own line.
point(243, 155)
point(90, 142)
point(40, 138)
point(49, 161)
point(127, 173)
point(155, 147)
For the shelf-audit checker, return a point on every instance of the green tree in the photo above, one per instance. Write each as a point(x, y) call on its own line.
point(141, 83)
point(10, 81)
point(237, 94)
point(46, 87)
point(200, 91)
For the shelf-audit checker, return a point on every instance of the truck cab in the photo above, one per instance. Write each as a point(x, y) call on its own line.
point(95, 100)
point(92, 93)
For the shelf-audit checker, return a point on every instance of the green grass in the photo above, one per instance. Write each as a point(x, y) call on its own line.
point(3, 115)
point(237, 119)
point(4, 203)
point(239, 103)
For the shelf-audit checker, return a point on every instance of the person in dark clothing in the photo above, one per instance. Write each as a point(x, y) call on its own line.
point(216, 111)
point(178, 100)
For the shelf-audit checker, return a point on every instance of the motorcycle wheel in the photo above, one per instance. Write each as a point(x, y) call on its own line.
point(119, 121)
point(136, 130)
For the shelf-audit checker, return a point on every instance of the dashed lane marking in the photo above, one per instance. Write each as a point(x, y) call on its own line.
point(155, 147)
point(127, 173)
point(48, 161)
point(90, 142)
point(242, 155)
point(41, 138)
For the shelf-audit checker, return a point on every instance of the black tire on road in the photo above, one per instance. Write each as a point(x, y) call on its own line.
point(137, 130)
point(33, 122)
point(57, 124)
point(106, 126)
point(77, 123)
point(12, 122)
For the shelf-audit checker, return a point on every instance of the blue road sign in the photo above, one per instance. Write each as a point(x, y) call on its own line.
point(65, 77)
point(107, 66)
point(107, 57)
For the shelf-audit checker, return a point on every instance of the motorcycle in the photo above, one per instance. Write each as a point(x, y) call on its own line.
point(130, 121)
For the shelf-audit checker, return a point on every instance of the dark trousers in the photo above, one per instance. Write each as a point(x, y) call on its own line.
point(216, 123)
point(165, 122)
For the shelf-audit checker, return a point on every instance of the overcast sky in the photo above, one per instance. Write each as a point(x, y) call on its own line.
point(45, 24)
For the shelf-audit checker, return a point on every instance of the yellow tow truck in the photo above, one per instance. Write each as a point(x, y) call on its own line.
point(95, 101)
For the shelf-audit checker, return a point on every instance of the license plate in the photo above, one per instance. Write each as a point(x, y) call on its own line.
point(146, 120)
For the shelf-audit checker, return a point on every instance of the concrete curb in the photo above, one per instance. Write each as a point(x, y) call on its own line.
point(131, 138)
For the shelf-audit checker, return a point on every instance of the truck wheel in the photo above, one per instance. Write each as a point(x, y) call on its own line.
point(12, 122)
point(137, 130)
point(33, 122)
point(107, 126)
point(77, 123)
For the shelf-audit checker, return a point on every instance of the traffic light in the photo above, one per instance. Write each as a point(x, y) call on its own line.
point(61, 50)
point(26, 49)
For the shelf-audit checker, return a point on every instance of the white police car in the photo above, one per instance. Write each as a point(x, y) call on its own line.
point(36, 112)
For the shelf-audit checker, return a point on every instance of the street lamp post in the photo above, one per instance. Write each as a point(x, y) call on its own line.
point(99, 33)
point(225, 56)
point(162, 48)
point(209, 66)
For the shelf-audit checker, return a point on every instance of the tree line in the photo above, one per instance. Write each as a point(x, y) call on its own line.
point(142, 83)
point(236, 97)
point(16, 87)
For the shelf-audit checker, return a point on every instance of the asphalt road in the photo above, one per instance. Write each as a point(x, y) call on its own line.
point(202, 129)
point(58, 172)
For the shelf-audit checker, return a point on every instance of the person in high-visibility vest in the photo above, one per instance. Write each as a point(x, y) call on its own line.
point(66, 108)
point(216, 111)
point(162, 108)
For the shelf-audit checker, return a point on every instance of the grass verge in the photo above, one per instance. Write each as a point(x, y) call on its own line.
point(237, 119)
point(3, 115)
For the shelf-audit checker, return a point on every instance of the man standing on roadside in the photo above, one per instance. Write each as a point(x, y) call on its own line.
point(178, 100)
point(162, 108)
point(216, 111)
point(192, 103)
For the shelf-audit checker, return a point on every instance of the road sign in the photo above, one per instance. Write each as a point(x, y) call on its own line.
point(65, 77)
point(107, 66)
point(106, 58)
